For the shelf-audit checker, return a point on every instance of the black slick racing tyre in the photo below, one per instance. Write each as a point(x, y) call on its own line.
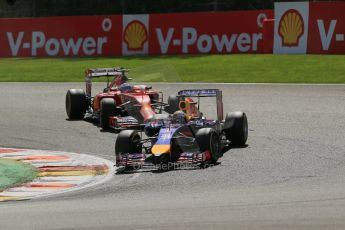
point(127, 141)
point(108, 109)
point(173, 104)
point(208, 139)
point(237, 133)
point(76, 103)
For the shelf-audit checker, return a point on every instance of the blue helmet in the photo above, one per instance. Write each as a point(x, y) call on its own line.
point(125, 87)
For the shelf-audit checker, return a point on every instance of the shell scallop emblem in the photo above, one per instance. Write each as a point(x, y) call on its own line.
point(135, 35)
point(291, 28)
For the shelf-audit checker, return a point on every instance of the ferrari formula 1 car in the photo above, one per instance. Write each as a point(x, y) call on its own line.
point(183, 137)
point(119, 106)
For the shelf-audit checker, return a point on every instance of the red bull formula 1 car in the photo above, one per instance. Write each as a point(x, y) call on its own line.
point(119, 106)
point(186, 136)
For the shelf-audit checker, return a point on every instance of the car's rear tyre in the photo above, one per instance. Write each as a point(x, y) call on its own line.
point(237, 133)
point(108, 109)
point(173, 104)
point(208, 140)
point(127, 141)
point(76, 103)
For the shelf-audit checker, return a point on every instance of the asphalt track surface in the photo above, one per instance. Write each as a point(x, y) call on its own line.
point(291, 175)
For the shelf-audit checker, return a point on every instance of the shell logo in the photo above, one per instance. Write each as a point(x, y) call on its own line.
point(291, 28)
point(135, 35)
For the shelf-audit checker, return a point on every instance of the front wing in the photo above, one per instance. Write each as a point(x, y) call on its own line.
point(138, 160)
point(128, 122)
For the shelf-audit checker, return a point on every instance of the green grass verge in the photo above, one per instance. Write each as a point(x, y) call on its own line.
point(204, 68)
point(14, 172)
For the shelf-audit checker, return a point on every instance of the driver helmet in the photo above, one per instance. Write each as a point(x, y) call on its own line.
point(125, 87)
point(179, 117)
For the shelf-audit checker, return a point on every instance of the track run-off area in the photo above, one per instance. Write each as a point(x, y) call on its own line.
point(290, 176)
point(56, 172)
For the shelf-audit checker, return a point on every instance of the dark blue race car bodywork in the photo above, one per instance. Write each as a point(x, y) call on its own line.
point(197, 141)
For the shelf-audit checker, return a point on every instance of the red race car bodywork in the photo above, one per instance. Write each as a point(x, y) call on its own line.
point(119, 106)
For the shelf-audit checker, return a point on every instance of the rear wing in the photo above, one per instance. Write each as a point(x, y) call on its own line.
point(206, 93)
point(104, 72)
point(198, 92)
point(101, 72)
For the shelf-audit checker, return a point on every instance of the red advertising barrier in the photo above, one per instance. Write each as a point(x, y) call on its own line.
point(195, 33)
point(321, 30)
point(268, 35)
point(61, 36)
point(326, 28)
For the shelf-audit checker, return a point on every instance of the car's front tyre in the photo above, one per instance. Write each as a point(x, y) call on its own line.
point(208, 140)
point(108, 109)
point(127, 142)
